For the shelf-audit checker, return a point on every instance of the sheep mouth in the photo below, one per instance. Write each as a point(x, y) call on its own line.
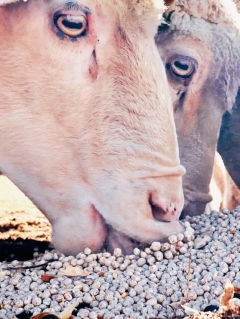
point(116, 239)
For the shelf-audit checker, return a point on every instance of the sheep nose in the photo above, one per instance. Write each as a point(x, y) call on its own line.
point(165, 209)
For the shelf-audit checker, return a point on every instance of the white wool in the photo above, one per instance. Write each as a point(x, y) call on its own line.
point(216, 11)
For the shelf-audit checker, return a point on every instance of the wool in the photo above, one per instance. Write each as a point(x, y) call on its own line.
point(215, 11)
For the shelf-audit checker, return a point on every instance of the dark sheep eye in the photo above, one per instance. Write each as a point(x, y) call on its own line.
point(72, 25)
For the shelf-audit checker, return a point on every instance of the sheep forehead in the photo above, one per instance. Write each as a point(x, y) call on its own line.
point(139, 7)
point(134, 6)
point(216, 11)
point(144, 11)
point(217, 37)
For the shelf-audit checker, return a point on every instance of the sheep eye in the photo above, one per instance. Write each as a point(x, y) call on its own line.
point(72, 25)
point(182, 68)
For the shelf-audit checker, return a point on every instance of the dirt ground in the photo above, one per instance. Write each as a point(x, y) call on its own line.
point(23, 228)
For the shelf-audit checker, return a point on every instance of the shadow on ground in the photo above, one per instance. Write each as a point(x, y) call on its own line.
point(23, 228)
point(21, 249)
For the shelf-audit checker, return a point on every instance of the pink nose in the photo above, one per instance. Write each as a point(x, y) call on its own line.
point(165, 210)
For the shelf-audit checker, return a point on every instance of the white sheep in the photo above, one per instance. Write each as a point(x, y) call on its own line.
point(82, 85)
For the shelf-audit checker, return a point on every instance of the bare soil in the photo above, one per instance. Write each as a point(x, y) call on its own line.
point(23, 228)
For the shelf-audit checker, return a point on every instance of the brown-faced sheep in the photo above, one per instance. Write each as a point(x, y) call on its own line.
point(229, 139)
point(199, 44)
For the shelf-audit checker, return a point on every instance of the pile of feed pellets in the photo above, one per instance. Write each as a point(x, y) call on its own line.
point(191, 269)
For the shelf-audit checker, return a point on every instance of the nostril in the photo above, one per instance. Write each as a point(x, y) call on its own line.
point(157, 211)
point(162, 210)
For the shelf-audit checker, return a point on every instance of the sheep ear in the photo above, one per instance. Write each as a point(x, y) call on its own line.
point(4, 2)
point(168, 2)
point(229, 141)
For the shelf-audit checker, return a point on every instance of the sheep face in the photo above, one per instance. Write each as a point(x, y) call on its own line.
point(229, 141)
point(82, 87)
point(229, 138)
point(200, 59)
